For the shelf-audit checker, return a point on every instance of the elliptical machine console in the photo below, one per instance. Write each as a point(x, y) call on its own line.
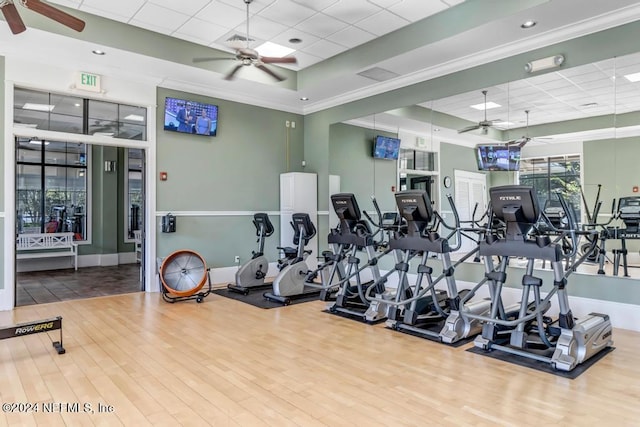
point(252, 273)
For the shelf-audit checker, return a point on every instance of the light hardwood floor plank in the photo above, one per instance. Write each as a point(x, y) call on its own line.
point(225, 363)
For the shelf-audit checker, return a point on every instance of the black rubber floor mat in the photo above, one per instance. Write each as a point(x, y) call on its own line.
point(256, 299)
point(541, 366)
point(456, 344)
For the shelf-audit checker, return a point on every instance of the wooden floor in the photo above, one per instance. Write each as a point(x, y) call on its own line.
point(225, 363)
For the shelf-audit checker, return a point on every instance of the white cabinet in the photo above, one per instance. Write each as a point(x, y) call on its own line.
point(298, 194)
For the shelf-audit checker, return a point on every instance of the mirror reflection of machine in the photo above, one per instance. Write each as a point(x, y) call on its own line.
point(417, 182)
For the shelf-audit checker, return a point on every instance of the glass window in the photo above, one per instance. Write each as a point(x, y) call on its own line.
point(552, 175)
point(134, 159)
point(51, 187)
point(46, 111)
point(62, 113)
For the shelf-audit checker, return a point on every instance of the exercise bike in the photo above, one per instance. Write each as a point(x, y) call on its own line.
point(291, 281)
point(252, 273)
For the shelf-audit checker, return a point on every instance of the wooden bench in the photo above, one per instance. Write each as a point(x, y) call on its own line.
point(46, 245)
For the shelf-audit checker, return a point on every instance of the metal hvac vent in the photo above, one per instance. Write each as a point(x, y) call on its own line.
point(378, 74)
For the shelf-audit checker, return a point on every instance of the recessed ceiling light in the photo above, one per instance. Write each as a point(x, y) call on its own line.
point(98, 52)
point(489, 105)
point(436, 129)
point(295, 40)
point(273, 49)
point(135, 118)
point(589, 104)
point(37, 107)
point(528, 24)
point(304, 98)
point(76, 104)
point(635, 77)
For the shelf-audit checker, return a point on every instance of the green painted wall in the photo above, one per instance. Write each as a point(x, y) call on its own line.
point(351, 158)
point(238, 170)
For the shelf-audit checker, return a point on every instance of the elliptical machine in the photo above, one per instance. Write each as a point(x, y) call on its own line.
point(291, 282)
point(352, 235)
point(252, 273)
point(562, 343)
point(421, 309)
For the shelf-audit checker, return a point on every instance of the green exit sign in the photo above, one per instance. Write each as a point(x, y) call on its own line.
point(88, 81)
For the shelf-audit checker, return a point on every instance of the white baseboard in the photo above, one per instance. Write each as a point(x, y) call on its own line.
point(223, 275)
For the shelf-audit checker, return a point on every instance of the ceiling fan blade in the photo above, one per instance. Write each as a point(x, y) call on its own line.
point(276, 60)
point(233, 72)
point(197, 60)
point(271, 73)
point(55, 14)
point(13, 18)
point(469, 128)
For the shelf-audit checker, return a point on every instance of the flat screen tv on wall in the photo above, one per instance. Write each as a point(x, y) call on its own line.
point(498, 158)
point(385, 147)
point(181, 115)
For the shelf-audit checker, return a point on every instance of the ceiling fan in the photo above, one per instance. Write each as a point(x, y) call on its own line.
point(485, 124)
point(522, 141)
point(247, 56)
point(16, 25)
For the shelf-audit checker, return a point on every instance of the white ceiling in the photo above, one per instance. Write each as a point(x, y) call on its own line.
point(332, 27)
point(325, 27)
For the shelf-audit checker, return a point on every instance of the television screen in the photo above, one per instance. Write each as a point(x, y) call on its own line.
point(185, 116)
point(498, 158)
point(386, 147)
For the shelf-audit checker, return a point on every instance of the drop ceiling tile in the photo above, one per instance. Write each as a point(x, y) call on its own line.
point(187, 7)
point(352, 11)
point(288, 13)
point(200, 31)
point(260, 27)
point(284, 37)
point(73, 4)
point(254, 8)
point(384, 3)
point(321, 25)
point(382, 23)
point(105, 13)
point(351, 37)
point(415, 10)
point(324, 49)
point(126, 8)
point(222, 14)
point(316, 5)
point(154, 16)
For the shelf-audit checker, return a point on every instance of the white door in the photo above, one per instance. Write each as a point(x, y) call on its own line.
point(470, 191)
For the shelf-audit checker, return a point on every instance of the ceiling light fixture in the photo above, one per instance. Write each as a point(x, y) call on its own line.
point(273, 49)
point(528, 24)
point(635, 77)
point(98, 52)
point(304, 98)
point(544, 63)
point(37, 107)
point(295, 40)
point(489, 106)
point(135, 118)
